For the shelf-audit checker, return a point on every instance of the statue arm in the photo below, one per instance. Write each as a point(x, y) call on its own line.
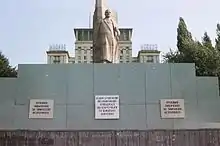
point(117, 31)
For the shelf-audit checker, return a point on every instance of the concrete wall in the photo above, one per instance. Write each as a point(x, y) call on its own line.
point(140, 87)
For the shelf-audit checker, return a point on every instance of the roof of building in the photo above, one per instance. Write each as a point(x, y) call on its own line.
point(86, 28)
point(148, 51)
point(58, 52)
point(91, 29)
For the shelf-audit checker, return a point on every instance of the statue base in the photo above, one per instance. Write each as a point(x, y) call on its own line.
point(102, 61)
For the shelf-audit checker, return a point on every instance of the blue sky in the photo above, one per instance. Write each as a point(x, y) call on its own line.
point(28, 27)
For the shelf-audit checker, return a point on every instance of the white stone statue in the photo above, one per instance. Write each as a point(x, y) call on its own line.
point(106, 49)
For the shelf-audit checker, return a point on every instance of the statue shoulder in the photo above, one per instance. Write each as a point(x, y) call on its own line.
point(113, 21)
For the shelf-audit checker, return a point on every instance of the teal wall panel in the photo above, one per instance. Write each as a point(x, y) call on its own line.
point(7, 114)
point(21, 120)
point(154, 120)
point(80, 84)
point(209, 111)
point(183, 82)
point(158, 82)
point(106, 79)
point(81, 117)
point(207, 88)
point(131, 84)
point(42, 82)
point(191, 120)
point(8, 88)
point(140, 87)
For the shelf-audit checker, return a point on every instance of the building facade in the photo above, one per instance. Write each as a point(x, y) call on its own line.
point(57, 54)
point(148, 54)
point(84, 50)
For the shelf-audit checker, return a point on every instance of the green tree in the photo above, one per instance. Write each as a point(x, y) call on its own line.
point(211, 57)
point(5, 69)
point(206, 41)
point(183, 36)
point(185, 46)
point(217, 40)
point(204, 55)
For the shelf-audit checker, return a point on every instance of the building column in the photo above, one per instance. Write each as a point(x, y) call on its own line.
point(82, 35)
point(77, 35)
point(129, 35)
point(88, 35)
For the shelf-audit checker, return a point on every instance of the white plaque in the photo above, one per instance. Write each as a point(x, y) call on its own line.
point(172, 108)
point(107, 107)
point(41, 109)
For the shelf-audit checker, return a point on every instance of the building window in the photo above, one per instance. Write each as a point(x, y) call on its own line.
point(158, 60)
point(127, 51)
point(120, 57)
point(85, 35)
point(56, 59)
point(150, 59)
point(125, 36)
point(84, 57)
point(79, 57)
point(79, 35)
point(90, 35)
point(91, 50)
point(127, 58)
point(79, 50)
point(121, 36)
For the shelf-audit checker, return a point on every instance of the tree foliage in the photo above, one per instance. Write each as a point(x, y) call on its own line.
point(206, 41)
point(203, 54)
point(217, 40)
point(184, 36)
point(5, 69)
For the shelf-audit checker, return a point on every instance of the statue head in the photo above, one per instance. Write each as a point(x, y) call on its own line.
point(107, 13)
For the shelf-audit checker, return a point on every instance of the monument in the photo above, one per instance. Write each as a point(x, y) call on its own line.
point(105, 36)
point(97, 104)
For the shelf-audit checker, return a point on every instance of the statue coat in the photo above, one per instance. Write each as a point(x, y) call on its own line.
point(106, 43)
